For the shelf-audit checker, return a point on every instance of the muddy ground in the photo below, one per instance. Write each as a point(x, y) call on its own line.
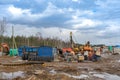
point(108, 68)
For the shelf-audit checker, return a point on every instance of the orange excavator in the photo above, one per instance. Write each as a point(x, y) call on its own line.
point(76, 48)
point(4, 48)
point(87, 47)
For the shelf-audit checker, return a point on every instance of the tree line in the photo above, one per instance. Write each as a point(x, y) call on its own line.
point(34, 41)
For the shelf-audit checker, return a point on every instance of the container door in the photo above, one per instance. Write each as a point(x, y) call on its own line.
point(45, 51)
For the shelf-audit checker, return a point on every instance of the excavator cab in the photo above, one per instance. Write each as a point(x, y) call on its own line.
point(4, 48)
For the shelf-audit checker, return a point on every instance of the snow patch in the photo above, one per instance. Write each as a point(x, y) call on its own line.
point(118, 60)
point(53, 71)
point(106, 76)
point(82, 76)
point(99, 75)
point(11, 75)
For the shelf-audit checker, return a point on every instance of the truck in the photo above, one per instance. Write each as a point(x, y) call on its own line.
point(42, 53)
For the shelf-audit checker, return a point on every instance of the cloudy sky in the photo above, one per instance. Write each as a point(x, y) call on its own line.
point(95, 20)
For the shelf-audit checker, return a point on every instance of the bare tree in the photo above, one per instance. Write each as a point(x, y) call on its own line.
point(2, 27)
point(39, 35)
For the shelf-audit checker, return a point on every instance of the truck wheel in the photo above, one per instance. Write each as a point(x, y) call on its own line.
point(29, 58)
point(35, 58)
point(79, 61)
point(49, 59)
point(23, 57)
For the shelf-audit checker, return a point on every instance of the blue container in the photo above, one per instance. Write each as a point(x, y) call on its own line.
point(21, 49)
point(46, 51)
point(31, 49)
point(43, 53)
point(27, 49)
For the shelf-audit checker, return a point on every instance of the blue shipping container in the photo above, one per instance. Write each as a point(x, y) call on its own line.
point(43, 52)
point(46, 51)
point(27, 49)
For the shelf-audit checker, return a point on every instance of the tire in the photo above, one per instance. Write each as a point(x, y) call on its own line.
point(23, 57)
point(79, 61)
point(26, 57)
point(49, 59)
point(30, 58)
point(35, 58)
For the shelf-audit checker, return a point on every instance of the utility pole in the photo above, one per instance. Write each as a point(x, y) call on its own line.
point(13, 37)
point(28, 41)
point(71, 40)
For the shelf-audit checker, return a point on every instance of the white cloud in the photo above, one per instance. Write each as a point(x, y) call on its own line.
point(40, 1)
point(26, 14)
point(102, 4)
point(75, 17)
point(110, 31)
point(78, 12)
point(113, 28)
point(17, 12)
point(78, 1)
point(70, 9)
point(52, 9)
point(78, 21)
point(107, 4)
point(83, 23)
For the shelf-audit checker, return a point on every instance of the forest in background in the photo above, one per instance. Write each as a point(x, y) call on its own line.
point(34, 41)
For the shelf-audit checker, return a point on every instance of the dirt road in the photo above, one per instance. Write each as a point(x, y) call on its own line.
point(108, 68)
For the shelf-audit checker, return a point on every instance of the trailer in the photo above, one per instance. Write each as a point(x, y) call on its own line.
point(42, 53)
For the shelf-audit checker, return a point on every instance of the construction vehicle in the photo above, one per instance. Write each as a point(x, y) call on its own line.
point(87, 47)
point(80, 58)
point(4, 48)
point(81, 49)
point(76, 49)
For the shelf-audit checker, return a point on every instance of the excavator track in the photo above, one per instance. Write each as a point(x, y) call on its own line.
point(22, 64)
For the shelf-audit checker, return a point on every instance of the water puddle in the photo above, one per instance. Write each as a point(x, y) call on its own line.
point(106, 76)
point(53, 72)
point(11, 75)
point(82, 76)
point(101, 75)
